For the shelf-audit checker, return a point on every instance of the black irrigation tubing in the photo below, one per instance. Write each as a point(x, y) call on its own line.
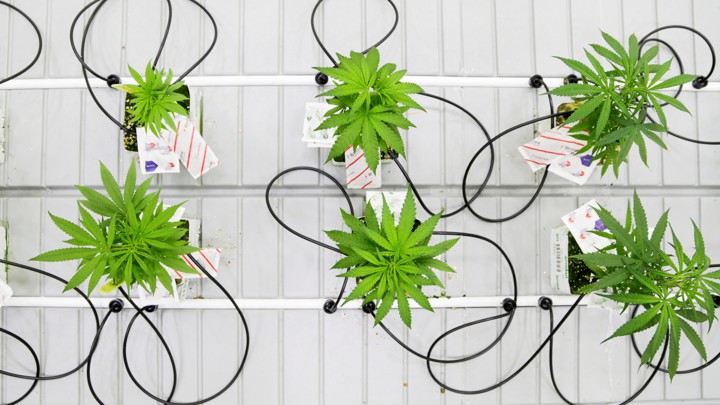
point(98, 326)
point(700, 82)
point(141, 312)
point(37, 377)
point(114, 79)
point(115, 307)
point(627, 401)
point(39, 37)
point(512, 375)
point(377, 44)
point(35, 359)
point(330, 305)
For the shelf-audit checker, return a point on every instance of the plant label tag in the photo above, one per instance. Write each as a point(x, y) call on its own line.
point(357, 172)
point(549, 146)
point(394, 199)
point(209, 258)
point(191, 148)
point(577, 169)
point(5, 293)
point(559, 271)
point(314, 116)
point(582, 222)
point(2, 135)
point(156, 155)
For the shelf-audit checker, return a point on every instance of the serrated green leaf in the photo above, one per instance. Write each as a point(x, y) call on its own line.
point(404, 308)
point(384, 308)
point(637, 324)
point(693, 337)
point(657, 339)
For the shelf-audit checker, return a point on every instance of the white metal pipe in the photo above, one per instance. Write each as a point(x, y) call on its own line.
point(291, 304)
point(297, 80)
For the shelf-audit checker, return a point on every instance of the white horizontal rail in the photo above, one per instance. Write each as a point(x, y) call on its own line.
point(302, 303)
point(296, 80)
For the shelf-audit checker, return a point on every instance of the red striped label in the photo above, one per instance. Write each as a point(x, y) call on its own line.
point(355, 161)
point(208, 261)
point(562, 140)
point(192, 137)
point(358, 176)
point(544, 151)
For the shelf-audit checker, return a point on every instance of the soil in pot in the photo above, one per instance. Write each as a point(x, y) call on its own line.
point(130, 140)
point(567, 109)
point(383, 156)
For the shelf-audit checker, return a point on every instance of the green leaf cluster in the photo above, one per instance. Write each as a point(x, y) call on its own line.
point(391, 262)
point(675, 288)
point(154, 99)
point(130, 241)
point(616, 99)
point(370, 103)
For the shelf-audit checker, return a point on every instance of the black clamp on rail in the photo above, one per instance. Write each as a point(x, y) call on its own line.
point(571, 79)
point(116, 305)
point(329, 307)
point(509, 305)
point(369, 308)
point(545, 303)
point(700, 82)
point(536, 81)
point(113, 80)
point(321, 79)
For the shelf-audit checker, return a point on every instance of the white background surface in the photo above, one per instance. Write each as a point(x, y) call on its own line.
point(56, 137)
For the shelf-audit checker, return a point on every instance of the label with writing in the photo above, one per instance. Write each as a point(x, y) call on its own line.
point(191, 148)
point(357, 172)
point(394, 199)
point(577, 169)
point(550, 146)
point(156, 155)
point(314, 116)
point(582, 222)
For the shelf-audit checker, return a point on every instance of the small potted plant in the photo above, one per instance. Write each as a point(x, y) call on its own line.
point(675, 288)
point(131, 242)
point(151, 101)
point(391, 262)
point(369, 105)
point(614, 98)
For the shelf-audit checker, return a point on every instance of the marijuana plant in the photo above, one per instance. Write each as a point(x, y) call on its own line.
point(674, 289)
point(391, 262)
point(154, 99)
point(370, 104)
point(616, 99)
point(129, 244)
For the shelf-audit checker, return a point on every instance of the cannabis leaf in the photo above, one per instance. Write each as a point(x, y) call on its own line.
point(154, 99)
point(672, 288)
point(391, 263)
point(615, 101)
point(370, 104)
point(129, 244)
